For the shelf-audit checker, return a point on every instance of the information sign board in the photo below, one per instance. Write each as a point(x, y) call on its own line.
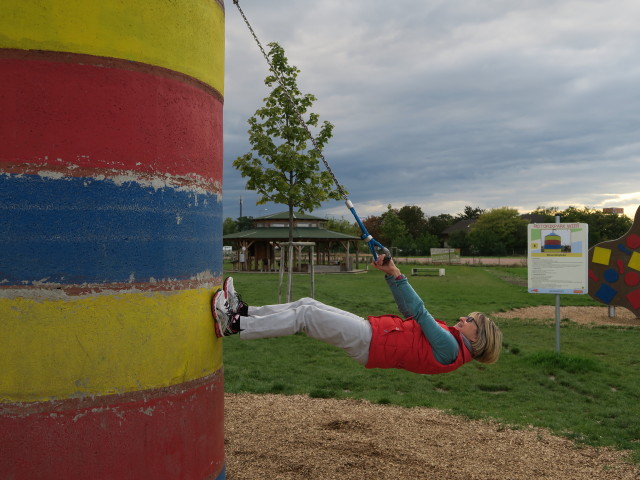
point(558, 258)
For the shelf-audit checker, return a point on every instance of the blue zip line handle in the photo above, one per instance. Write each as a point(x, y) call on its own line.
point(371, 242)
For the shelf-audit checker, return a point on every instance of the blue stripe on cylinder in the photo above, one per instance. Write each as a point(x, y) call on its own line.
point(75, 230)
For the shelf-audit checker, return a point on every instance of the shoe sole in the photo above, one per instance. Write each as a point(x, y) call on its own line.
point(225, 287)
point(213, 311)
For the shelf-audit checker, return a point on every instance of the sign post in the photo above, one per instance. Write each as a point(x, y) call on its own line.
point(557, 259)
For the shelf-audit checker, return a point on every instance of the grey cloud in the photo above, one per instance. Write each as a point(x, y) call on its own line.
point(493, 103)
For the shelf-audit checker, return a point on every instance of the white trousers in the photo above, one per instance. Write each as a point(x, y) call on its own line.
point(322, 322)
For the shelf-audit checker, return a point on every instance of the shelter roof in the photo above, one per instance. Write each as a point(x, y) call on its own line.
point(280, 233)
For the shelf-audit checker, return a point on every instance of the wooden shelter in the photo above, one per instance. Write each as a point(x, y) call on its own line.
point(259, 249)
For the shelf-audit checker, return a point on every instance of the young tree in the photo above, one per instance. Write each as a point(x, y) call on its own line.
point(283, 165)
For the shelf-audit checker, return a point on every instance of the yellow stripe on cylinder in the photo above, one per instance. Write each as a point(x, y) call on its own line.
point(112, 344)
point(187, 37)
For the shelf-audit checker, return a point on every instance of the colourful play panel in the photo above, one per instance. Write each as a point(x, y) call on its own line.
point(614, 267)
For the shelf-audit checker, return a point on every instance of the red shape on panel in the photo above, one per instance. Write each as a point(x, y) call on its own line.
point(633, 241)
point(634, 299)
point(632, 279)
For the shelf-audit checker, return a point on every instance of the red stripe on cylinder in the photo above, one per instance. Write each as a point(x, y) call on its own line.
point(139, 119)
point(171, 433)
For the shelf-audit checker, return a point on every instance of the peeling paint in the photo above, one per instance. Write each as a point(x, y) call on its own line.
point(51, 175)
point(183, 183)
point(43, 291)
point(79, 416)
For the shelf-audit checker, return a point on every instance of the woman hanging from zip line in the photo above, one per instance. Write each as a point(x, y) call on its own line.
point(416, 342)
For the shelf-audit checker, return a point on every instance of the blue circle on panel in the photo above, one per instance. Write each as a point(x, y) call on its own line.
point(611, 275)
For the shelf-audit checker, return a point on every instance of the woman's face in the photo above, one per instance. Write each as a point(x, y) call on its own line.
point(468, 326)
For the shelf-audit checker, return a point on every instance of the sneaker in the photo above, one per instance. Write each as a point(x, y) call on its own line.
point(226, 322)
point(233, 298)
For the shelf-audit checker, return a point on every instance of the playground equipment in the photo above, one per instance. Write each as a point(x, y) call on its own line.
point(614, 267)
point(111, 232)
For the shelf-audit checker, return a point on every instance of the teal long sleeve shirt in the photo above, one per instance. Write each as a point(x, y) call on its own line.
point(445, 347)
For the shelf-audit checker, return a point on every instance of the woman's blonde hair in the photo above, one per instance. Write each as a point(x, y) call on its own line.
point(486, 348)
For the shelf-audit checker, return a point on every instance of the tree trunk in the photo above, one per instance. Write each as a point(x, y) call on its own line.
point(290, 251)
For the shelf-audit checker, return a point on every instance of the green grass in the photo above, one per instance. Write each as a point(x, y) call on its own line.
point(589, 392)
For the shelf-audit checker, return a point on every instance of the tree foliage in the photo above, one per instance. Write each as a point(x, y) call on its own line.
point(406, 229)
point(505, 225)
point(602, 226)
point(471, 213)
point(393, 229)
point(283, 166)
point(229, 225)
point(439, 223)
point(343, 226)
point(495, 232)
point(414, 220)
point(373, 224)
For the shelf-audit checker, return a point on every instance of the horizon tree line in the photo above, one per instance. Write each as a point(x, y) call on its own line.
point(494, 232)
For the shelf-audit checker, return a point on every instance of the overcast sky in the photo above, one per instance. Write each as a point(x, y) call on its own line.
point(449, 103)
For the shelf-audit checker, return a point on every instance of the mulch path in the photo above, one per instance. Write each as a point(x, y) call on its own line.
point(297, 437)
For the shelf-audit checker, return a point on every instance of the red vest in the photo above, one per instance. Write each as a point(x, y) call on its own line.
point(397, 343)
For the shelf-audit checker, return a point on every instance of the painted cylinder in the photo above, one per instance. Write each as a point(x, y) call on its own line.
point(111, 231)
point(552, 242)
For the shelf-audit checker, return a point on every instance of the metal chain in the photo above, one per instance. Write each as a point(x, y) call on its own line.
point(339, 187)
